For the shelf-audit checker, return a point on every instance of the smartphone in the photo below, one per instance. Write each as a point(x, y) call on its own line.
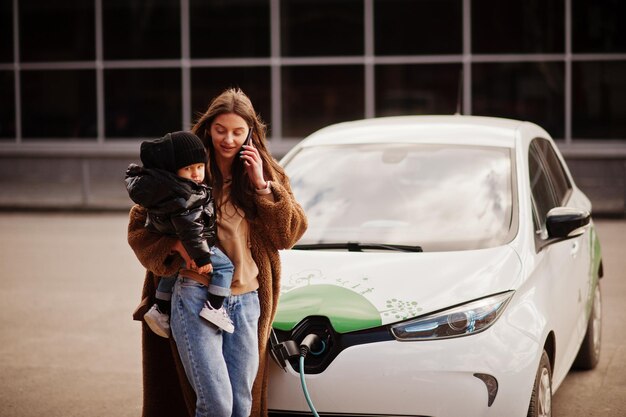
point(248, 140)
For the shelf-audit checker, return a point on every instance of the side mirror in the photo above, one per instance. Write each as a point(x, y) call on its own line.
point(566, 222)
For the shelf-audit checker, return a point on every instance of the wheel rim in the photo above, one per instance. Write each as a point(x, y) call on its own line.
point(597, 320)
point(544, 394)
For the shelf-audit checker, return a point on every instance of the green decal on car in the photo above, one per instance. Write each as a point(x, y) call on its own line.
point(596, 256)
point(398, 309)
point(594, 265)
point(347, 310)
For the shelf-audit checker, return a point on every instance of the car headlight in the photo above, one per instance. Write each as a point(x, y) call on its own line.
point(470, 318)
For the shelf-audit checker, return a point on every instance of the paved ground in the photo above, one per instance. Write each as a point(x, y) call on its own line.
point(68, 346)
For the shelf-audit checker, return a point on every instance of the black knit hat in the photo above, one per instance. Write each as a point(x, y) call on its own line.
point(173, 151)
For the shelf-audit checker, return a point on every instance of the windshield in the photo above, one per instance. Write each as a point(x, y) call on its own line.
point(438, 197)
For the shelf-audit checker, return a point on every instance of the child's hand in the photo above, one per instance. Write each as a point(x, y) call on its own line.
point(178, 247)
point(205, 269)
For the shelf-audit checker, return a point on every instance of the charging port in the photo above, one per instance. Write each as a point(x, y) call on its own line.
point(281, 352)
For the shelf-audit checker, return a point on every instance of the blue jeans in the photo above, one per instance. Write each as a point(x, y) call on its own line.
point(221, 277)
point(164, 289)
point(220, 366)
point(222, 274)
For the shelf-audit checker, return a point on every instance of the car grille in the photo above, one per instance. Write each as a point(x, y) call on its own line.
point(276, 413)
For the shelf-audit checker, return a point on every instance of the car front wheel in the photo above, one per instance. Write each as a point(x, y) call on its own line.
point(589, 353)
point(541, 399)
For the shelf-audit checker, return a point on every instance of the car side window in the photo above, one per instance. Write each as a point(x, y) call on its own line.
point(550, 185)
point(560, 182)
point(541, 189)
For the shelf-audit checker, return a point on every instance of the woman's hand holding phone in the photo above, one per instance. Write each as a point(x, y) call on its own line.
point(252, 162)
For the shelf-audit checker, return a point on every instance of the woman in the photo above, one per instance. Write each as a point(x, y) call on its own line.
point(257, 215)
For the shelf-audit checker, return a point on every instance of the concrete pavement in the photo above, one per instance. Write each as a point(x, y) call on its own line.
point(68, 346)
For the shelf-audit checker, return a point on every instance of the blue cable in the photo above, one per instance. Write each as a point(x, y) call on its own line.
point(306, 392)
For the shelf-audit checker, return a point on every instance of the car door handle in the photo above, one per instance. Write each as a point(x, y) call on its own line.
point(574, 250)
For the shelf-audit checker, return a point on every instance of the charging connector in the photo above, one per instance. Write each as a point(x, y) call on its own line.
point(311, 343)
point(281, 352)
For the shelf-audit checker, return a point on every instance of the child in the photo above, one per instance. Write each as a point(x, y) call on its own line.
point(170, 186)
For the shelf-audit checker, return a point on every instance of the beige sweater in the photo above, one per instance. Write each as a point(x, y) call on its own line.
point(279, 225)
point(233, 233)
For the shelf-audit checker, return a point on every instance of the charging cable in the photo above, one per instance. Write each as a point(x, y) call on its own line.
point(310, 341)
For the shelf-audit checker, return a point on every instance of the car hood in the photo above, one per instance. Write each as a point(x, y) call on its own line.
point(362, 290)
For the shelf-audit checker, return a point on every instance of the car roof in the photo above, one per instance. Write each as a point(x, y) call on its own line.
point(457, 129)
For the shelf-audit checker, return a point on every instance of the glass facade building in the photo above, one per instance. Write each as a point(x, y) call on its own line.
point(104, 74)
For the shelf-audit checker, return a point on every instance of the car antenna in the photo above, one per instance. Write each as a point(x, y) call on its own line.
point(459, 96)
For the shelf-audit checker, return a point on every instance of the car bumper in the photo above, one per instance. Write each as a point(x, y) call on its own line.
point(425, 378)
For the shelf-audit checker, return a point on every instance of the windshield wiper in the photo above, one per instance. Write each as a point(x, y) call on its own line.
point(359, 247)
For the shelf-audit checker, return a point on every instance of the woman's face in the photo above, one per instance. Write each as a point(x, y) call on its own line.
point(228, 132)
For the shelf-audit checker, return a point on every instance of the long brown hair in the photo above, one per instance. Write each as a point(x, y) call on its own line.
point(242, 193)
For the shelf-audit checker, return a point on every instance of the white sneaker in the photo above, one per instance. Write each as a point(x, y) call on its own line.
point(217, 317)
point(158, 322)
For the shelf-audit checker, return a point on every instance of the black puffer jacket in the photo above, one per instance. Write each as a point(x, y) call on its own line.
point(176, 207)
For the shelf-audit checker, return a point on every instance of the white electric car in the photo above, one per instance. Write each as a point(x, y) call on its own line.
point(450, 268)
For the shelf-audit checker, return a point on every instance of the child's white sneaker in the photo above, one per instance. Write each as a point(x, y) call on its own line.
point(158, 322)
point(218, 317)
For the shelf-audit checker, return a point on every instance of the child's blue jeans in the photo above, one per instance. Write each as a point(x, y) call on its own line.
point(221, 277)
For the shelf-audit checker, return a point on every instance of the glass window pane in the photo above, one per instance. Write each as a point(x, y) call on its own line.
point(140, 29)
point(416, 89)
point(540, 187)
point(59, 30)
point(229, 29)
point(321, 27)
point(558, 177)
point(532, 91)
point(530, 26)
point(142, 102)
point(408, 194)
point(7, 104)
point(599, 100)
point(6, 31)
point(598, 26)
point(58, 104)
point(409, 27)
point(207, 83)
point(316, 96)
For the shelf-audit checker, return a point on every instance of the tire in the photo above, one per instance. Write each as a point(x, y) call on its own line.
point(589, 353)
point(541, 398)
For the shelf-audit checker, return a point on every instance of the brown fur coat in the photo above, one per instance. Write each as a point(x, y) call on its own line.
point(166, 391)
